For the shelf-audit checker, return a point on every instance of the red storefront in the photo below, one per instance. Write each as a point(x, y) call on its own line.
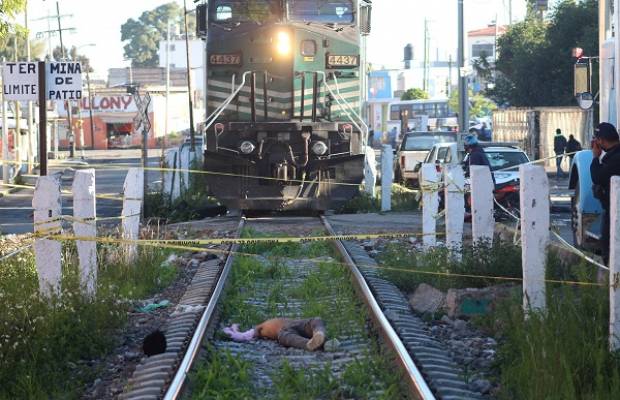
point(112, 119)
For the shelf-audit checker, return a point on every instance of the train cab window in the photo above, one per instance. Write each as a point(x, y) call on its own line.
point(245, 10)
point(223, 13)
point(328, 11)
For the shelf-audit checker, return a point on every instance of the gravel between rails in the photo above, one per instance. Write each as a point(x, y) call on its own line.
point(350, 339)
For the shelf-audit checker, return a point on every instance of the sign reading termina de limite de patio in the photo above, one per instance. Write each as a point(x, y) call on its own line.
point(63, 81)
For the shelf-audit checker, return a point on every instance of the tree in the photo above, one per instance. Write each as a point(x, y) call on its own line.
point(72, 55)
point(534, 67)
point(8, 45)
point(479, 106)
point(145, 33)
point(8, 10)
point(414, 94)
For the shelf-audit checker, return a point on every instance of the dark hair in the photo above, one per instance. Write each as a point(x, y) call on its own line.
point(558, 130)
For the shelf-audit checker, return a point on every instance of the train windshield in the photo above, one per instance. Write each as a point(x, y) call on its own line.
point(260, 11)
point(323, 11)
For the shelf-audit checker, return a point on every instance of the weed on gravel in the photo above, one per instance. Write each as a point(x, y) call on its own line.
point(407, 266)
point(46, 345)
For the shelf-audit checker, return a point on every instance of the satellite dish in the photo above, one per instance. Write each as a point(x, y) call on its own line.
point(585, 100)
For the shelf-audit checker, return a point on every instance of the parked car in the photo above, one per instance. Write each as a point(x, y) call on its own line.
point(412, 152)
point(586, 210)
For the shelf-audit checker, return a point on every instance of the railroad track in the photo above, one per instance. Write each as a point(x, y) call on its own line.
point(297, 281)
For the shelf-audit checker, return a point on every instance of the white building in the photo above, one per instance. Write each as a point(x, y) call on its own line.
point(484, 40)
point(178, 59)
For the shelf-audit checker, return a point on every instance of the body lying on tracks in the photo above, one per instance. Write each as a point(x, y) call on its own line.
point(283, 91)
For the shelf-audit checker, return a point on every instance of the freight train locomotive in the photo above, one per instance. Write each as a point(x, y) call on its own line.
point(283, 100)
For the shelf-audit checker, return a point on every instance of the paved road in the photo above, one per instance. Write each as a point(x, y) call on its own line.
point(16, 209)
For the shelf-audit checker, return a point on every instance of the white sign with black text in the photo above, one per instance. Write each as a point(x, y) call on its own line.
point(64, 81)
point(20, 81)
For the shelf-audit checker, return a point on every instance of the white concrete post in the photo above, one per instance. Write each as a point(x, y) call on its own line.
point(430, 203)
point(370, 172)
point(85, 225)
point(534, 192)
point(387, 176)
point(614, 265)
point(176, 182)
point(454, 184)
point(133, 195)
point(47, 206)
point(482, 221)
point(168, 176)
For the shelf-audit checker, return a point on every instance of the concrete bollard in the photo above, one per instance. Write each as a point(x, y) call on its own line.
point(387, 176)
point(169, 176)
point(47, 205)
point(85, 225)
point(482, 221)
point(534, 192)
point(370, 172)
point(430, 203)
point(454, 184)
point(614, 265)
point(133, 196)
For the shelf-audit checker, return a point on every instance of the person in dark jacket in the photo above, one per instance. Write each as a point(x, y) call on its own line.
point(476, 153)
point(572, 146)
point(559, 147)
point(602, 169)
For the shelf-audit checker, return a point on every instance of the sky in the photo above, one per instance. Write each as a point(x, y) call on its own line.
point(395, 23)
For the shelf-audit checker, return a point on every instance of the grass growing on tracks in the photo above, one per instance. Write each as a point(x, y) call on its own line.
point(324, 292)
point(402, 200)
point(499, 259)
point(46, 346)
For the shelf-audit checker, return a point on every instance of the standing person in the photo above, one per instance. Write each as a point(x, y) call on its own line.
point(559, 147)
point(605, 139)
point(393, 136)
point(572, 146)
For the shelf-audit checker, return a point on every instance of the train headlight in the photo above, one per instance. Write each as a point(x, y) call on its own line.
point(247, 147)
point(283, 43)
point(319, 148)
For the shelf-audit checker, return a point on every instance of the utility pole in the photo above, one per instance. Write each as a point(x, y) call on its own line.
point(5, 141)
point(192, 131)
point(90, 108)
point(427, 40)
point(463, 95)
point(449, 91)
point(163, 144)
point(30, 108)
point(17, 133)
point(509, 12)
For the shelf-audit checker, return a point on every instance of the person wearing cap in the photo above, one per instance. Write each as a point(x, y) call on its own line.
point(601, 170)
point(476, 153)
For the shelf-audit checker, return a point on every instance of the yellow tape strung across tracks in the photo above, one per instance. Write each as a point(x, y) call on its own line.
point(228, 241)
point(191, 171)
point(108, 196)
point(181, 245)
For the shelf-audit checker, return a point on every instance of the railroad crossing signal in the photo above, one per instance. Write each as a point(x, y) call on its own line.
point(141, 120)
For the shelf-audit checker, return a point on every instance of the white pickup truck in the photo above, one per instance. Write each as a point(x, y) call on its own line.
point(413, 151)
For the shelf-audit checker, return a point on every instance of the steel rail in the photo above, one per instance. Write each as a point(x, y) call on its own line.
point(414, 377)
point(175, 389)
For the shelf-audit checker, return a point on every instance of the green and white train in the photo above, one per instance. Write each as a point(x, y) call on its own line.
point(284, 81)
